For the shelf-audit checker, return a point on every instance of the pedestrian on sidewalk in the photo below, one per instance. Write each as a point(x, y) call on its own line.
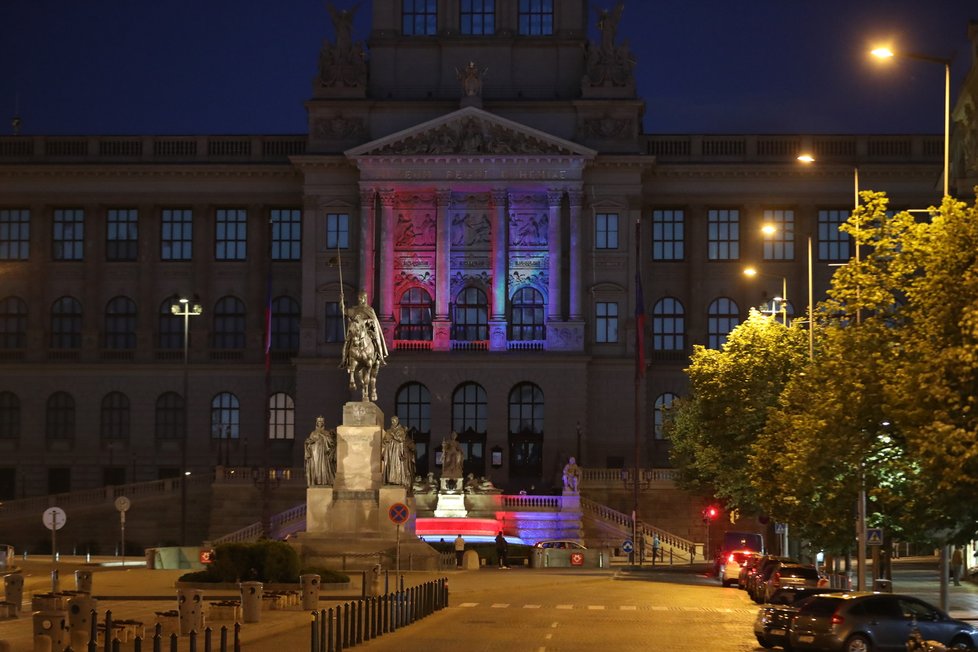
point(957, 561)
point(656, 544)
point(459, 550)
point(502, 548)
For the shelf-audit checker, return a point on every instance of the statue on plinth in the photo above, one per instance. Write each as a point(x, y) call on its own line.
point(364, 349)
point(342, 64)
point(572, 476)
point(397, 456)
point(451, 458)
point(608, 64)
point(320, 455)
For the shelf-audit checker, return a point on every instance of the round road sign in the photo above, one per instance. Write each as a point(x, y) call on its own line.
point(577, 559)
point(54, 518)
point(122, 503)
point(398, 513)
point(627, 546)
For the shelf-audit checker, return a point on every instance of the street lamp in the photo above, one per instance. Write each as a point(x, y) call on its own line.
point(887, 53)
point(751, 271)
point(186, 308)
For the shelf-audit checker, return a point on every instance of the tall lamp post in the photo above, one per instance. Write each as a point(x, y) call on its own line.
point(887, 53)
point(186, 308)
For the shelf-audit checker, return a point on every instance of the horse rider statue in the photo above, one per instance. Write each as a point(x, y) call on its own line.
point(364, 350)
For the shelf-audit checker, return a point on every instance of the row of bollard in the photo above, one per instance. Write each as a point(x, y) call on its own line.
point(352, 623)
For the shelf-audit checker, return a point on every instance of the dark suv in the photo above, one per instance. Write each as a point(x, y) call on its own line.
point(859, 622)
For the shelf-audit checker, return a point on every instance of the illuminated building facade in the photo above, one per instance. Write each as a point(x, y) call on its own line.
point(481, 171)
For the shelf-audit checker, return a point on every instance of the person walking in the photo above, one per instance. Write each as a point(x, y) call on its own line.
point(502, 548)
point(957, 561)
point(459, 550)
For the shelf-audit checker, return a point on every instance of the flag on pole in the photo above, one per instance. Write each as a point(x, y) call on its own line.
point(639, 307)
point(268, 324)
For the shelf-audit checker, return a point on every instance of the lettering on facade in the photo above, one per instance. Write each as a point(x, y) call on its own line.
point(468, 261)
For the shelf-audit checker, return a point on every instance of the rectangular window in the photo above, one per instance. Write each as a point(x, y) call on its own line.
point(419, 17)
point(15, 234)
point(231, 234)
point(177, 234)
point(68, 236)
point(724, 234)
point(779, 239)
point(536, 17)
point(477, 17)
point(122, 234)
point(337, 231)
point(606, 231)
point(833, 244)
point(605, 322)
point(667, 235)
point(334, 322)
point(286, 234)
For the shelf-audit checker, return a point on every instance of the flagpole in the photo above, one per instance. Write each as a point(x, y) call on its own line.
point(639, 369)
point(266, 499)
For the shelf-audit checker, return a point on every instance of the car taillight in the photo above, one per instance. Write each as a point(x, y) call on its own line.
point(776, 580)
point(731, 558)
point(837, 619)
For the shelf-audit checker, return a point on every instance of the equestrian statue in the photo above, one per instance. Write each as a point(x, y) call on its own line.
point(364, 349)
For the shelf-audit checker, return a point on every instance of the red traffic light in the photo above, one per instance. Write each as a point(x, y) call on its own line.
point(710, 513)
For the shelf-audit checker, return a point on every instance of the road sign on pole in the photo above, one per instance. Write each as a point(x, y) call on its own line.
point(874, 536)
point(627, 546)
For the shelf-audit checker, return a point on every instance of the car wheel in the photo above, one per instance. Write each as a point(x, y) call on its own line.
point(961, 644)
point(857, 643)
point(763, 642)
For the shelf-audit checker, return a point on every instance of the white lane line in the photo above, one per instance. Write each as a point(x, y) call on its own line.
point(548, 636)
point(565, 606)
point(500, 605)
point(596, 607)
point(469, 604)
point(554, 624)
point(627, 607)
point(531, 606)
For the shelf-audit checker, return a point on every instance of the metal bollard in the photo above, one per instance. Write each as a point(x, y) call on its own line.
point(50, 630)
point(83, 581)
point(190, 610)
point(13, 590)
point(310, 590)
point(81, 618)
point(251, 596)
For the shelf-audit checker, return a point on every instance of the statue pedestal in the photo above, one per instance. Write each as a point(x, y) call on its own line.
point(451, 505)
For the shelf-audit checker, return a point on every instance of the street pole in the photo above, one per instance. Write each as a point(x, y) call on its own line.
point(811, 307)
point(185, 308)
point(861, 532)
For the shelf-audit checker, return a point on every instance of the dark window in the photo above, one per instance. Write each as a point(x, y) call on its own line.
point(668, 235)
point(115, 416)
point(471, 316)
point(281, 416)
point(68, 234)
point(337, 231)
point(333, 322)
point(231, 234)
point(662, 404)
point(412, 405)
point(122, 234)
point(469, 414)
point(66, 323)
point(169, 333)
point(15, 234)
point(13, 323)
point(723, 316)
point(229, 324)
point(286, 234)
point(605, 322)
point(169, 416)
point(536, 17)
point(120, 324)
point(60, 416)
point(527, 322)
point(177, 234)
point(415, 316)
point(225, 416)
point(59, 480)
point(8, 483)
point(9, 416)
point(833, 244)
point(477, 17)
point(606, 231)
point(668, 325)
point(285, 324)
point(724, 232)
point(419, 17)
point(526, 430)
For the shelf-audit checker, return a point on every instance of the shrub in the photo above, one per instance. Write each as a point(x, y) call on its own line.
point(326, 576)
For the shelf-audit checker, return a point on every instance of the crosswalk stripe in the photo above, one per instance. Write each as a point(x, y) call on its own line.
point(565, 606)
point(531, 606)
point(596, 607)
point(627, 607)
point(500, 605)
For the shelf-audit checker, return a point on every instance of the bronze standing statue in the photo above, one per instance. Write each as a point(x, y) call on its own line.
point(364, 350)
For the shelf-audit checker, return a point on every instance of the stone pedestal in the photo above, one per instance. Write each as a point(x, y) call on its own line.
point(450, 506)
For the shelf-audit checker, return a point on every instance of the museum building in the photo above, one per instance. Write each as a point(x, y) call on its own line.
point(541, 267)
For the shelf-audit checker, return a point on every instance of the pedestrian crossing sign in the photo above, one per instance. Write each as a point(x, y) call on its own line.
point(874, 536)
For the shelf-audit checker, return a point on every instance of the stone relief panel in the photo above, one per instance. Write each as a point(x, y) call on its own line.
point(528, 228)
point(471, 135)
point(339, 127)
point(414, 278)
point(471, 229)
point(415, 229)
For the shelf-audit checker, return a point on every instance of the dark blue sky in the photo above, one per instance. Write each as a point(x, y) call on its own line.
point(703, 66)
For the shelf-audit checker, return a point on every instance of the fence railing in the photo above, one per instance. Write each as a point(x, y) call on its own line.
point(681, 548)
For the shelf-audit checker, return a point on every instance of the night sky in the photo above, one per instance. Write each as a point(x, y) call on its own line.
point(703, 66)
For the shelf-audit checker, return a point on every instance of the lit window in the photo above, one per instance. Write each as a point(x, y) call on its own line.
point(606, 231)
point(281, 416)
point(15, 234)
point(419, 17)
point(176, 234)
point(668, 325)
point(526, 320)
point(536, 17)
point(337, 231)
point(833, 244)
point(66, 323)
point(225, 416)
point(120, 324)
point(667, 235)
point(231, 234)
point(779, 244)
point(122, 235)
point(723, 316)
point(724, 234)
point(414, 321)
point(605, 322)
point(68, 234)
point(286, 234)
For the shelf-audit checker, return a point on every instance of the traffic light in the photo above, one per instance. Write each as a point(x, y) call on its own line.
point(710, 514)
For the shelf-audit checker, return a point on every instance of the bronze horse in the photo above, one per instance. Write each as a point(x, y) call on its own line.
point(362, 361)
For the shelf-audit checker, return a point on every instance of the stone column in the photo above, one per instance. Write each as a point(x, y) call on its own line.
point(497, 320)
point(386, 299)
point(368, 254)
point(555, 308)
point(443, 269)
point(576, 197)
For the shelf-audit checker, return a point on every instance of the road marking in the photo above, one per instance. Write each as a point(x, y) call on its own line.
point(549, 636)
point(626, 607)
point(500, 605)
point(658, 608)
point(469, 604)
point(531, 606)
point(565, 606)
point(596, 607)
point(554, 624)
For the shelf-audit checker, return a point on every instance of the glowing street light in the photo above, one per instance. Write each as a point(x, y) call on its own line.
point(783, 299)
point(887, 53)
point(186, 308)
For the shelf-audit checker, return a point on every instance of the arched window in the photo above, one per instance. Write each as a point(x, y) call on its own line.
point(662, 404)
point(412, 405)
point(470, 410)
point(281, 416)
point(169, 333)
point(526, 432)
point(415, 316)
point(668, 325)
point(60, 415)
point(9, 416)
point(115, 416)
point(470, 322)
point(526, 320)
point(722, 317)
point(169, 416)
point(225, 416)
point(13, 323)
point(120, 324)
point(229, 323)
point(285, 324)
point(66, 323)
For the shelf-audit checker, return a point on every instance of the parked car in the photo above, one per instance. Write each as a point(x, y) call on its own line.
point(774, 619)
point(785, 574)
point(860, 622)
point(755, 584)
point(748, 569)
point(731, 564)
point(560, 544)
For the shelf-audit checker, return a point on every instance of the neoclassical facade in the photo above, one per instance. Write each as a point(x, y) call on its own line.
point(484, 176)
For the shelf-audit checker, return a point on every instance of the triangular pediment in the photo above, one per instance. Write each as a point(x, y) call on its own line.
point(470, 131)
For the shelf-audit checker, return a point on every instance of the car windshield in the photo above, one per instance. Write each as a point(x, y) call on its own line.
point(799, 571)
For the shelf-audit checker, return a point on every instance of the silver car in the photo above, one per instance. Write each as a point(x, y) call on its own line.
point(877, 622)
